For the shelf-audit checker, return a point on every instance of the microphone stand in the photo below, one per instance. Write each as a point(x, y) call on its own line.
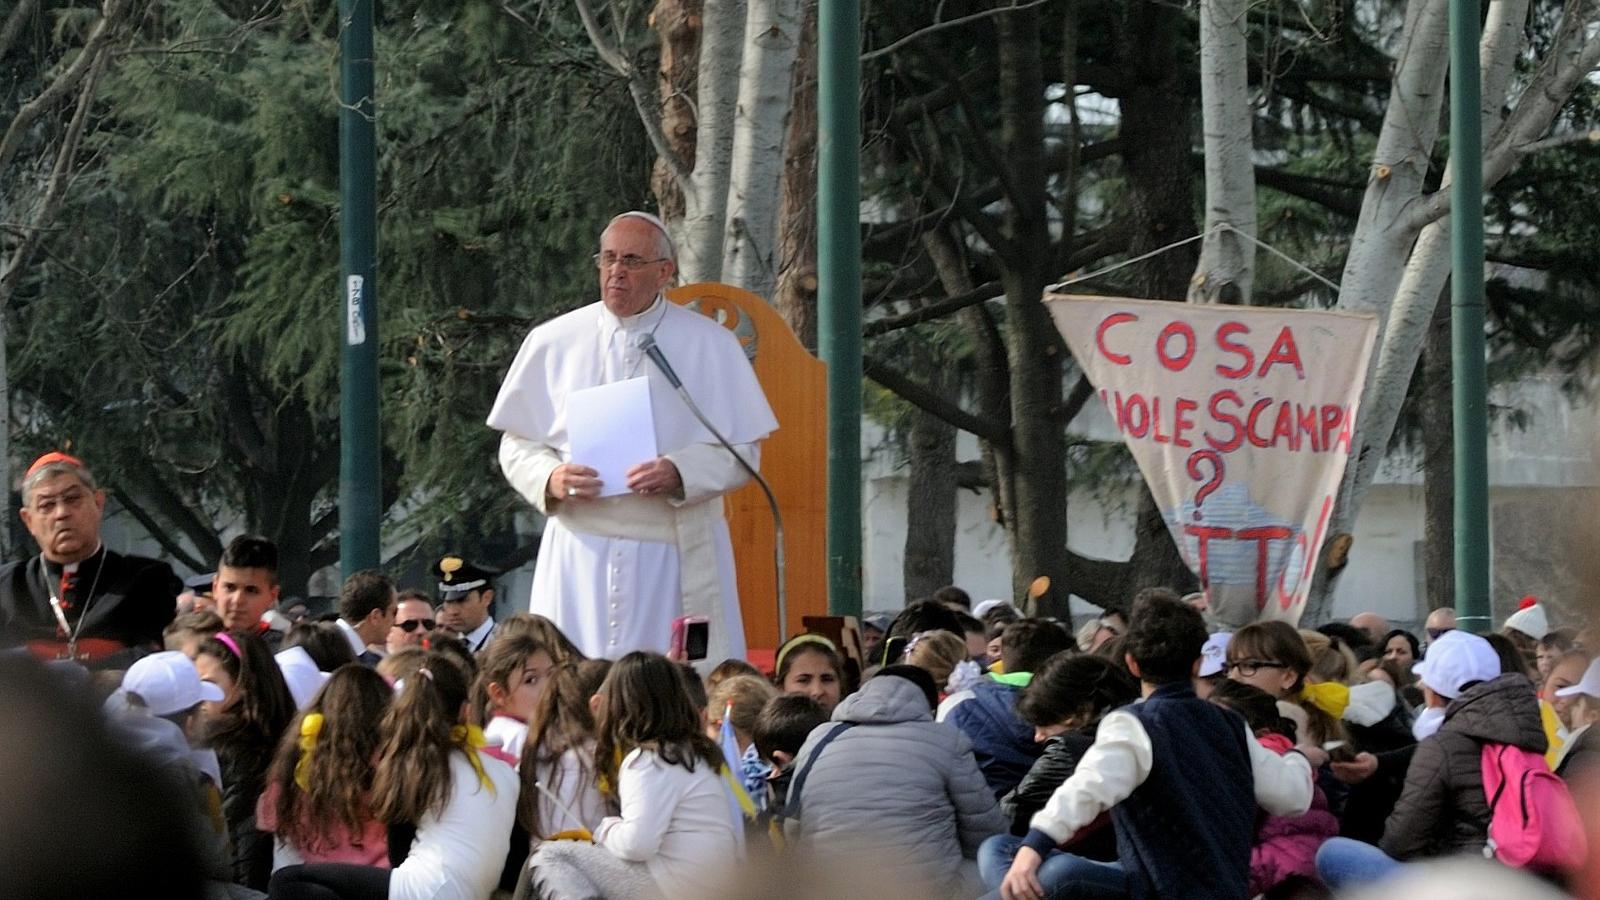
point(652, 350)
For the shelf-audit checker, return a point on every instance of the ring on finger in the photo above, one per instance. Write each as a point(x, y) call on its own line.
point(572, 491)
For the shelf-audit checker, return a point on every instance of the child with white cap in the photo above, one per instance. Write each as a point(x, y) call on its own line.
point(1443, 810)
point(153, 712)
point(1581, 754)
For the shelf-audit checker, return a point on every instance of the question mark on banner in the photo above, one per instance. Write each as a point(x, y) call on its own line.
point(1212, 483)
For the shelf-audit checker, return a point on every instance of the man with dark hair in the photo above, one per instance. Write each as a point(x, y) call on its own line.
point(917, 617)
point(1180, 776)
point(954, 598)
point(366, 612)
point(246, 586)
point(987, 714)
point(77, 599)
point(413, 621)
point(466, 600)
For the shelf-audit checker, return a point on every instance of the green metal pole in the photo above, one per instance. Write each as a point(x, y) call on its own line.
point(359, 479)
point(839, 287)
point(1470, 379)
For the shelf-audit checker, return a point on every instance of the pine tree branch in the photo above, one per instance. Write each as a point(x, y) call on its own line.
point(935, 310)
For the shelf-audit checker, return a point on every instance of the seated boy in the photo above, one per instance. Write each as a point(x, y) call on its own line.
point(987, 714)
point(780, 730)
point(1180, 776)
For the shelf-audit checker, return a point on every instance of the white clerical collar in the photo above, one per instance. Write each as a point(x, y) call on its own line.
point(649, 318)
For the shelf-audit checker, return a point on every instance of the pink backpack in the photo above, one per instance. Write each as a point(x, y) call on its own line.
point(1533, 821)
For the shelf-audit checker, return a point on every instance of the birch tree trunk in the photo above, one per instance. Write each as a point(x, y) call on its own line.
point(699, 232)
point(1408, 315)
point(766, 75)
point(1227, 258)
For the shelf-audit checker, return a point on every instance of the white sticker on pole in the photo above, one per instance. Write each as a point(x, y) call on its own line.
point(355, 328)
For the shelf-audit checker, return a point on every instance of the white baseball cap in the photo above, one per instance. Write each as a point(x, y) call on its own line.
point(1589, 684)
point(1457, 658)
point(1530, 619)
point(1214, 655)
point(168, 683)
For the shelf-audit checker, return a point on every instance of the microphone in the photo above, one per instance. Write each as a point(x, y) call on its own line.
point(648, 344)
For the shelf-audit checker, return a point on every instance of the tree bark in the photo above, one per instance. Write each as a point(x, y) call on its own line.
point(796, 297)
point(930, 500)
point(1227, 257)
point(1438, 467)
point(1038, 514)
point(677, 22)
point(1160, 199)
point(699, 233)
point(766, 75)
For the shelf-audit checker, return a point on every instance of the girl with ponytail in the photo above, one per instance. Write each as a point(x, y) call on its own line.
point(678, 831)
point(560, 784)
point(432, 777)
point(318, 799)
point(243, 729)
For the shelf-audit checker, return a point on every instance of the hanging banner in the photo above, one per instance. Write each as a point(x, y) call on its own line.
point(1240, 419)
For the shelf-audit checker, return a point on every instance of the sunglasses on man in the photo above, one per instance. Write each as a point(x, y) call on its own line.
point(413, 624)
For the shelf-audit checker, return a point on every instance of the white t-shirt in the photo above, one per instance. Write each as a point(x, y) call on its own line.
point(461, 848)
point(680, 824)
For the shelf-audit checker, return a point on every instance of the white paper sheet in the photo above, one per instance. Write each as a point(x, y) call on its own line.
point(611, 429)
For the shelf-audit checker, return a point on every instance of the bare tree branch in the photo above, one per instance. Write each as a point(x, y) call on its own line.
point(19, 16)
point(60, 177)
point(1561, 140)
point(641, 92)
point(159, 531)
point(935, 310)
point(934, 404)
point(948, 23)
point(65, 83)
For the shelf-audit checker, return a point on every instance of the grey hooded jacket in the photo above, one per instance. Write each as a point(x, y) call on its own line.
point(897, 790)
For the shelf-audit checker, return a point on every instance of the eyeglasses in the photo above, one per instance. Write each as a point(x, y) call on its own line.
point(1435, 633)
point(411, 625)
point(1249, 667)
point(630, 262)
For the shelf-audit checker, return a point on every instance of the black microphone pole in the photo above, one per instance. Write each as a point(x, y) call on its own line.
point(650, 348)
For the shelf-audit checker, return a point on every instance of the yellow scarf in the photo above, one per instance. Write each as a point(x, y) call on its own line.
point(310, 728)
point(470, 738)
point(1330, 696)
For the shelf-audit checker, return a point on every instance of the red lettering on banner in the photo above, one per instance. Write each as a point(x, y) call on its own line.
point(1121, 359)
point(1155, 420)
point(1174, 329)
point(1250, 423)
point(1343, 440)
point(1136, 406)
point(1205, 534)
point(1263, 535)
point(1180, 424)
point(1308, 554)
point(1283, 351)
point(1284, 427)
point(1248, 360)
point(1214, 406)
point(1307, 418)
point(1331, 417)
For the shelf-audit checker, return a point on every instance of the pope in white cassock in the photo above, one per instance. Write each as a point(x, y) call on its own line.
point(615, 571)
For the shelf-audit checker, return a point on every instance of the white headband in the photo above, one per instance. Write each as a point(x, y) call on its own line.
point(655, 222)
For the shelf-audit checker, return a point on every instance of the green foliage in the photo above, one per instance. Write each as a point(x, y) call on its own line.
point(184, 327)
